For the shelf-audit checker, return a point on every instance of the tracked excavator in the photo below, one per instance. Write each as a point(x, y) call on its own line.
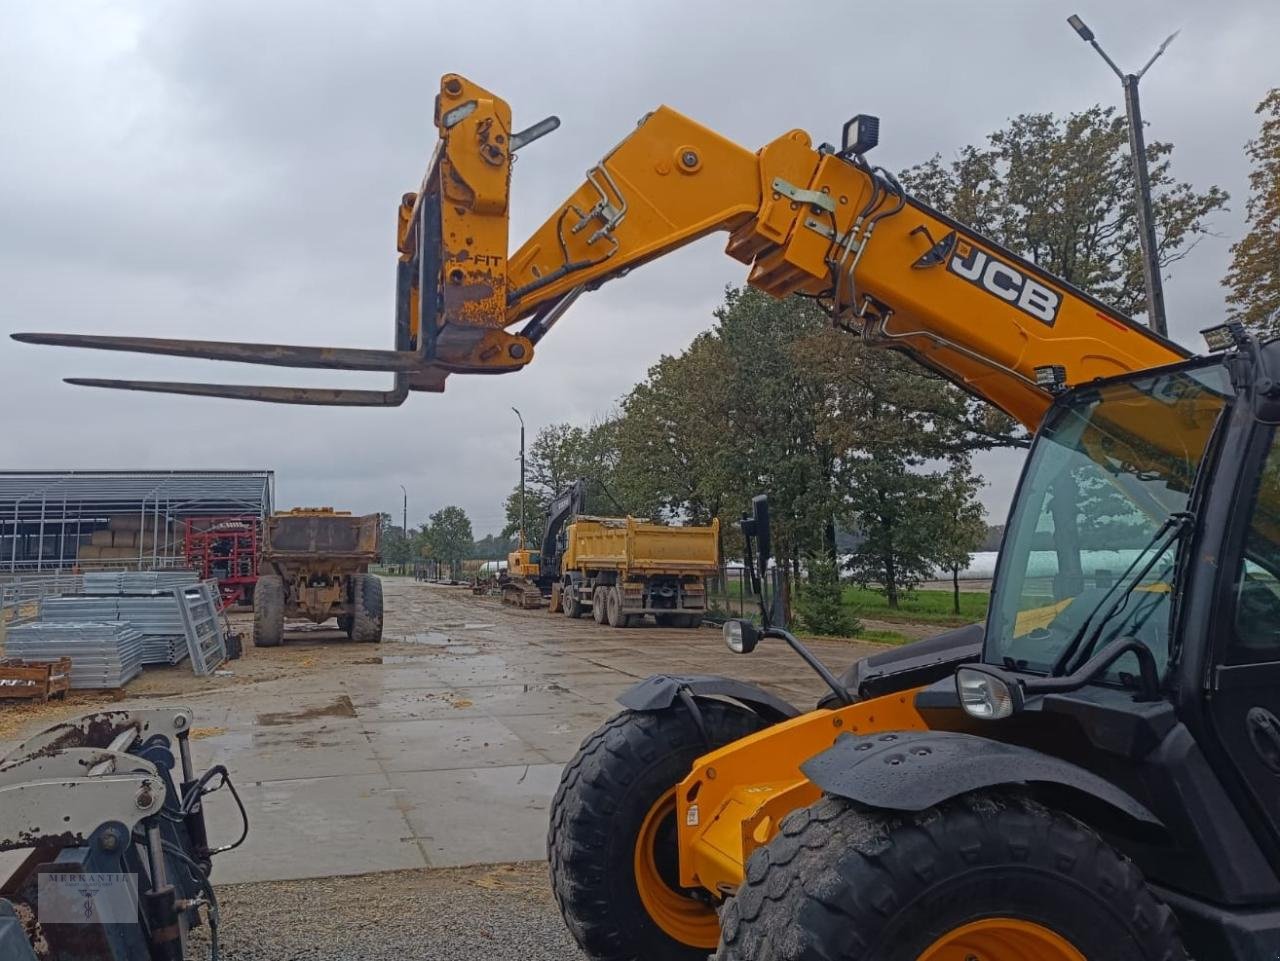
point(1094, 773)
point(532, 574)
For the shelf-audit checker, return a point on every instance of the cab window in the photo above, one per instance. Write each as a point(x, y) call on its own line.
point(1256, 634)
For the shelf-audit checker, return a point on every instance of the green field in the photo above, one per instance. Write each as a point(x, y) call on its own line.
point(929, 606)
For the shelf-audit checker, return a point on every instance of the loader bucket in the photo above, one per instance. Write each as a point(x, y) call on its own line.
point(451, 284)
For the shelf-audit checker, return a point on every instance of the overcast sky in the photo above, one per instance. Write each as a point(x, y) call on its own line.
point(231, 170)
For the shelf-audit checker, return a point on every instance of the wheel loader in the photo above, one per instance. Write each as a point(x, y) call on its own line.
point(1093, 773)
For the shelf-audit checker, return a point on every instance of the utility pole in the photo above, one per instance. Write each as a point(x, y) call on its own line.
point(404, 565)
point(1142, 179)
point(518, 414)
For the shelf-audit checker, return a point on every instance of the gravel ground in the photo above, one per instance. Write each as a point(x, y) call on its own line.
point(496, 913)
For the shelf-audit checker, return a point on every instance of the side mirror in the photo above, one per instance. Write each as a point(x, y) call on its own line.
point(741, 637)
point(760, 521)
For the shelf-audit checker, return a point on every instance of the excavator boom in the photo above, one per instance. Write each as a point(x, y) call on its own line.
point(817, 221)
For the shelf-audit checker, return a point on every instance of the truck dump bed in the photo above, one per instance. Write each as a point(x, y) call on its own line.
point(304, 534)
point(639, 547)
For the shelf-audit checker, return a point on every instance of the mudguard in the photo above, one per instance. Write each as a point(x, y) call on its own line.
point(915, 770)
point(662, 690)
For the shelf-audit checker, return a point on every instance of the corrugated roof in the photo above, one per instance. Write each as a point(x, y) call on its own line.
point(30, 495)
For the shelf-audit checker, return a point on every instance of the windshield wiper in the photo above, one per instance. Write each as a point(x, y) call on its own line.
point(1078, 650)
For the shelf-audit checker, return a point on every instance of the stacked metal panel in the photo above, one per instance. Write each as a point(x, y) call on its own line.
point(136, 582)
point(156, 616)
point(102, 655)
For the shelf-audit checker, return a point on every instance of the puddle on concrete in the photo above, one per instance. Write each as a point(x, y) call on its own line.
point(341, 707)
point(433, 638)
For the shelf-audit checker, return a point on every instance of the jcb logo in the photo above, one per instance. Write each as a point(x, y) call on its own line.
point(1004, 281)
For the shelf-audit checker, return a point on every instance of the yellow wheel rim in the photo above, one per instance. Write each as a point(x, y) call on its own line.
point(686, 920)
point(1002, 939)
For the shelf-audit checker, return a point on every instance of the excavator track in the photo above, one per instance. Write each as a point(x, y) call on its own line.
point(523, 594)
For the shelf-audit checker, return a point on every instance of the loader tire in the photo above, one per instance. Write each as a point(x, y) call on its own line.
point(366, 623)
point(989, 875)
point(599, 606)
point(268, 611)
point(570, 603)
point(553, 605)
point(613, 608)
point(612, 841)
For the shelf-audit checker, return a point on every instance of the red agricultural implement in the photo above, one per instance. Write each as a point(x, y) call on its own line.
point(225, 549)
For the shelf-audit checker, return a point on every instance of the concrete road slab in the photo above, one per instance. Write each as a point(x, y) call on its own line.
point(438, 745)
point(547, 697)
point(446, 749)
point(480, 815)
point(557, 736)
point(277, 753)
point(313, 827)
point(414, 704)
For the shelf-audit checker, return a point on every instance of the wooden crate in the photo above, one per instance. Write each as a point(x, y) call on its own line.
point(34, 680)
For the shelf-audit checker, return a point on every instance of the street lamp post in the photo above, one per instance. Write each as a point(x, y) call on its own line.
point(1142, 180)
point(521, 418)
point(404, 521)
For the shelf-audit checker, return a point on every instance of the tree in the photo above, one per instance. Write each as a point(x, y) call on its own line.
point(447, 535)
point(559, 455)
point(823, 610)
point(1060, 192)
point(962, 524)
point(396, 547)
point(535, 508)
point(670, 465)
point(493, 547)
point(1253, 280)
point(896, 509)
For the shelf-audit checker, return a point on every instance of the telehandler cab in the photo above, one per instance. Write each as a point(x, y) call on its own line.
point(1092, 774)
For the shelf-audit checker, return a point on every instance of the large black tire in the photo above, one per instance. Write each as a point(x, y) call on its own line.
point(842, 883)
point(553, 605)
point(569, 602)
point(344, 623)
point(613, 608)
point(619, 775)
point(366, 614)
point(598, 604)
point(268, 611)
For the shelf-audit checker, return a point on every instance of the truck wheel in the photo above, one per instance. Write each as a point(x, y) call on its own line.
point(366, 623)
point(553, 605)
point(344, 623)
point(613, 608)
point(570, 603)
point(988, 875)
point(268, 611)
point(690, 621)
point(612, 841)
point(599, 605)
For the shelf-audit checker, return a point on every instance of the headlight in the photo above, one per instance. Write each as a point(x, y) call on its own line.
point(986, 696)
point(740, 637)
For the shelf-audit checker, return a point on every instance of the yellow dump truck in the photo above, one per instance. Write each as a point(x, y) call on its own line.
point(621, 568)
point(314, 566)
